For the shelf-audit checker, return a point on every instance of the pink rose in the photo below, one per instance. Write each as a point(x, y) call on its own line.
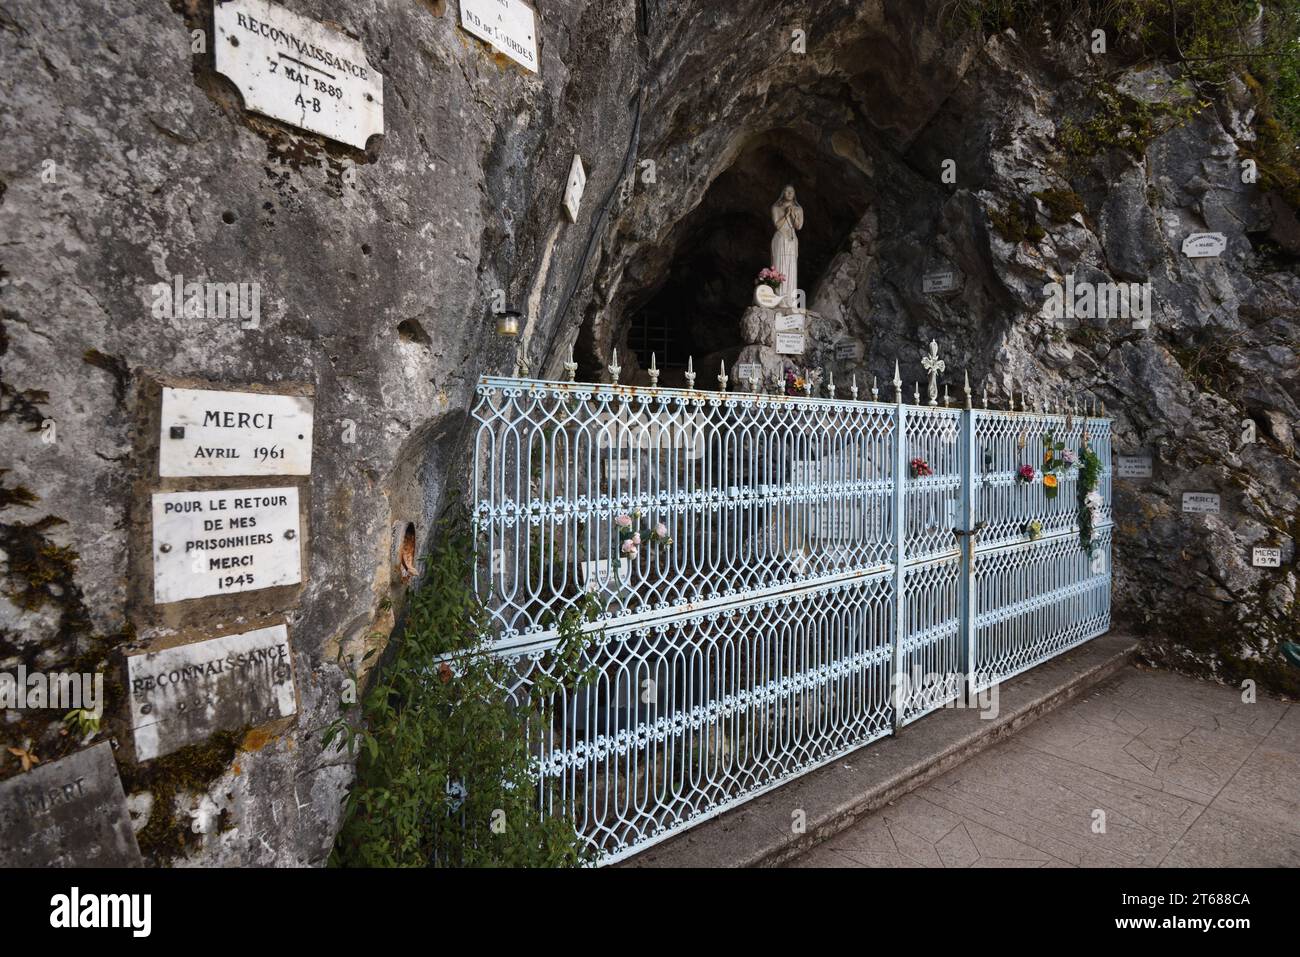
point(623, 521)
point(661, 530)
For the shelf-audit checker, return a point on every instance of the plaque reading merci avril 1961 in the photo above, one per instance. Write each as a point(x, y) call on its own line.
point(299, 71)
point(212, 432)
point(220, 543)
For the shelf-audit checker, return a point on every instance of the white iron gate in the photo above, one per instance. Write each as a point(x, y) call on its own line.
point(796, 593)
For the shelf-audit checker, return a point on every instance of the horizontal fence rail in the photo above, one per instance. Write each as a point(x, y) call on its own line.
point(781, 580)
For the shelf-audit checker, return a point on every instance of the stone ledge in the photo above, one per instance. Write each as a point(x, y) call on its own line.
point(758, 834)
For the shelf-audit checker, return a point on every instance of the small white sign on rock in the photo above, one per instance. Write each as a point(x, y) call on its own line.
point(181, 695)
point(211, 432)
point(789, 343)
point(749, 370)
point(1134, 466)
point(221, 543)
point(297, 70)
point(1200, 502)
point(573, 190)
point(766, 296)
point(597, 574)
point(1204, 245)
point(509, 25)
point(789, 322)
point(934, 283)
point(1264, 557)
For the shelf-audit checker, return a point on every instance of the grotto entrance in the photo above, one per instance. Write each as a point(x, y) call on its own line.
point(688, 294)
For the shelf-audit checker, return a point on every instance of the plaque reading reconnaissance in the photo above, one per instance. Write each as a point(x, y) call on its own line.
point(211, 432)
point(296, 70)
point(221, 543)
point(182, 695)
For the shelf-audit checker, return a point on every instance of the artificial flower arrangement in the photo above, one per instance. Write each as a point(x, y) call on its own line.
point(1034, 529)
point(1026, 474)
point(798, 380)
point(631, 538)
point(919, 467)
point(1057, 459)
point(771, 278)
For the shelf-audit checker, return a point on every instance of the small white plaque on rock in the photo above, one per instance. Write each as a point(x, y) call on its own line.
point(67, 813)
point(749, 370)
point(789, 343)
point(1204, 245)
point(220, 543)
point(574, 188)
point(596, 575)
point(1264, 557)
point(211, 432)
point(1200, 502)
point(766, 296)
point(297, 70)
point(182, 695)
point(1134, 466)
point(848, 350)
point(789, 322)
point(933, 283)
point(509, 25)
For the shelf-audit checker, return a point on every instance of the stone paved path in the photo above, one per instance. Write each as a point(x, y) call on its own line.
point(1186, 773)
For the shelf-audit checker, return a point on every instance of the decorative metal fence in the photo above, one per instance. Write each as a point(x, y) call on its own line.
point(779, 586)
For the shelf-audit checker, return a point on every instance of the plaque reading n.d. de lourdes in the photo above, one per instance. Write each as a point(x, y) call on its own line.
point(299, 71)
point(220, 543)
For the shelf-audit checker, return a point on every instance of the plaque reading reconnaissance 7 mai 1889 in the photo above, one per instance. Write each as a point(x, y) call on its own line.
point(67, 813)
point(220, 543)
point(299, 71)
point(183, 694)
point(211, 432)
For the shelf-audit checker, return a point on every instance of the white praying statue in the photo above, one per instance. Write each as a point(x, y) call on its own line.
point(787, 217)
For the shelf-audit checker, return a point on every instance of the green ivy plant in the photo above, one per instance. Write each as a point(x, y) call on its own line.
point(1089, 478)
point(444, 772)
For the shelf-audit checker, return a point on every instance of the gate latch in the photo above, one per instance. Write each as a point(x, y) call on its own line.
point(979, 527)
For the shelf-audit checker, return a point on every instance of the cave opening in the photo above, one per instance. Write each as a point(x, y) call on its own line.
point(692, 305)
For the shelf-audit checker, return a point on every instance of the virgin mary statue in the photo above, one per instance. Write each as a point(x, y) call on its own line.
point(787, 217)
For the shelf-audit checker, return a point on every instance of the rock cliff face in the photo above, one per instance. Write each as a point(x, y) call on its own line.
point(128, 161)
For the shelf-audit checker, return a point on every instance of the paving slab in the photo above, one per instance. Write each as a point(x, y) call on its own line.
point(1146, 769)
point(832, 798)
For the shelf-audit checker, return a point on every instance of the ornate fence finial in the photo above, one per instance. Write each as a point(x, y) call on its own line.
point(965, 375)
point(875, 393)
point(653, 372)
point(753, 377)
point(946, 400)
point(690, 372)
point(853, 389)
point(830, 383)
point(722, 375)
point(984, 397)
point(1103, 408)
point(934, 365)
point(898, 385)
point(916, 393)
point(807, 386)
point(615, 368)
point(571, 367)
